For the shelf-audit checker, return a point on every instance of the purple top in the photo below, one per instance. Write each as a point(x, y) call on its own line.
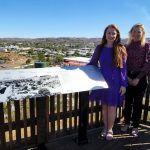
point(114, 76)
point(138, 58)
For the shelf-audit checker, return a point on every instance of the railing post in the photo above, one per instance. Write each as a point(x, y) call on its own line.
point(42, 106)
point(83, 117)
point(147, 101)
point(2, 129)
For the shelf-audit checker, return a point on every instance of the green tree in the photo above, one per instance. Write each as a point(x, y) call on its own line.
point(30, 52)
point(58, 59)
point(28, 61)
point(76, 54)
point(41, 57)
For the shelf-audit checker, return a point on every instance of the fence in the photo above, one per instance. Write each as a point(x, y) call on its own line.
point(29, 122)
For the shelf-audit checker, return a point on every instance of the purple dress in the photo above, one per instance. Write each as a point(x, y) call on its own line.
point(114, 76)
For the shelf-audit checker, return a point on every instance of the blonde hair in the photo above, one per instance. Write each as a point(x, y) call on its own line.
point(143, 37)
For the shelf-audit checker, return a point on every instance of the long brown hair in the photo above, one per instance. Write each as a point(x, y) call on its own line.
point(119, 51)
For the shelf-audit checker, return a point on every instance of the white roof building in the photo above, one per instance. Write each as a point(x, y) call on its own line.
point(77, 61)
point(3, 49)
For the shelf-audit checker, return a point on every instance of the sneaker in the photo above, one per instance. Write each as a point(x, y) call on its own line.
point(125, 128)
point(135, 132)
point(104, 133)
point(109, 136)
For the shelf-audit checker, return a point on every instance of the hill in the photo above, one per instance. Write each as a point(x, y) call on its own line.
point(11, 60)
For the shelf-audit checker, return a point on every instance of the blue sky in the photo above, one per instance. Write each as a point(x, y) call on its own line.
point(70, 18)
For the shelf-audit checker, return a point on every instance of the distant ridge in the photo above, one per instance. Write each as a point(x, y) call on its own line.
point(58, 40)
point(64, 40)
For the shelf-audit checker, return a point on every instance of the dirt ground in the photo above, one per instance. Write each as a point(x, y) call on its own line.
point(12, 59)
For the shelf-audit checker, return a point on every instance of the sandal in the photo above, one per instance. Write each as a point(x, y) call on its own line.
point(109, 135)
point(135, 132)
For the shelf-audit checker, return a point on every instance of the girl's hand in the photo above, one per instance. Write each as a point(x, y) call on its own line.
point(135, 82)
point(122, 90)
point(129, 81)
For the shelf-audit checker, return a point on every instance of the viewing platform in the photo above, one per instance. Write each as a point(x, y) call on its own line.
point(66, 122)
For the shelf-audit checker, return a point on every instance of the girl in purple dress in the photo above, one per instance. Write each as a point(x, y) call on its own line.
point(111, 55)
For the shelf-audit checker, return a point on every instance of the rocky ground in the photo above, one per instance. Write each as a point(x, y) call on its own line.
point(12, 60)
